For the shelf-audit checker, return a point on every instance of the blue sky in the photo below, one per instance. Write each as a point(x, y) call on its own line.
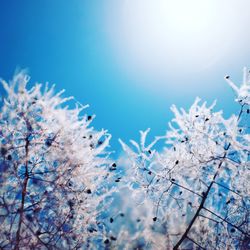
point(125, 61)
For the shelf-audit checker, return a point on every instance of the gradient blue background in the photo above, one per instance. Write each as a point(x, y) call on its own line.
point(69, 43)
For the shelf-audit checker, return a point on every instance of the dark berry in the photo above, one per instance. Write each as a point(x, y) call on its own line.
point(3, 151)
point(88, 191)
point(106, 241)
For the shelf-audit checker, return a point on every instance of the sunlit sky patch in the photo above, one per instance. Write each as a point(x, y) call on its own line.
point(129, 59)
point(161, 38)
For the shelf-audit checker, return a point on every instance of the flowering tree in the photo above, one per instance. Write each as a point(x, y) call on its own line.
point(196, 190)
point(53, 171)
point(55, 178)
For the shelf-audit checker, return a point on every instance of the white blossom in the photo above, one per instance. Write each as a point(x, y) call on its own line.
point(198, 184)
point(54, 170)
point(242, 92)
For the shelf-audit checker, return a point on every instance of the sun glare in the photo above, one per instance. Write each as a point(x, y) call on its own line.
point(160, 36)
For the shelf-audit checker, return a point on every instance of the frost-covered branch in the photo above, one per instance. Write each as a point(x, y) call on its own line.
point(204, 168)
point(54, 170)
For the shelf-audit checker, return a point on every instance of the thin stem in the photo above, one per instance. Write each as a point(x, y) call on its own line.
point(24, 192)
point(228, 222)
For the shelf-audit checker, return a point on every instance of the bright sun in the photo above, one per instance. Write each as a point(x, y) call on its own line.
point(186, 16)
point(160, 35)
